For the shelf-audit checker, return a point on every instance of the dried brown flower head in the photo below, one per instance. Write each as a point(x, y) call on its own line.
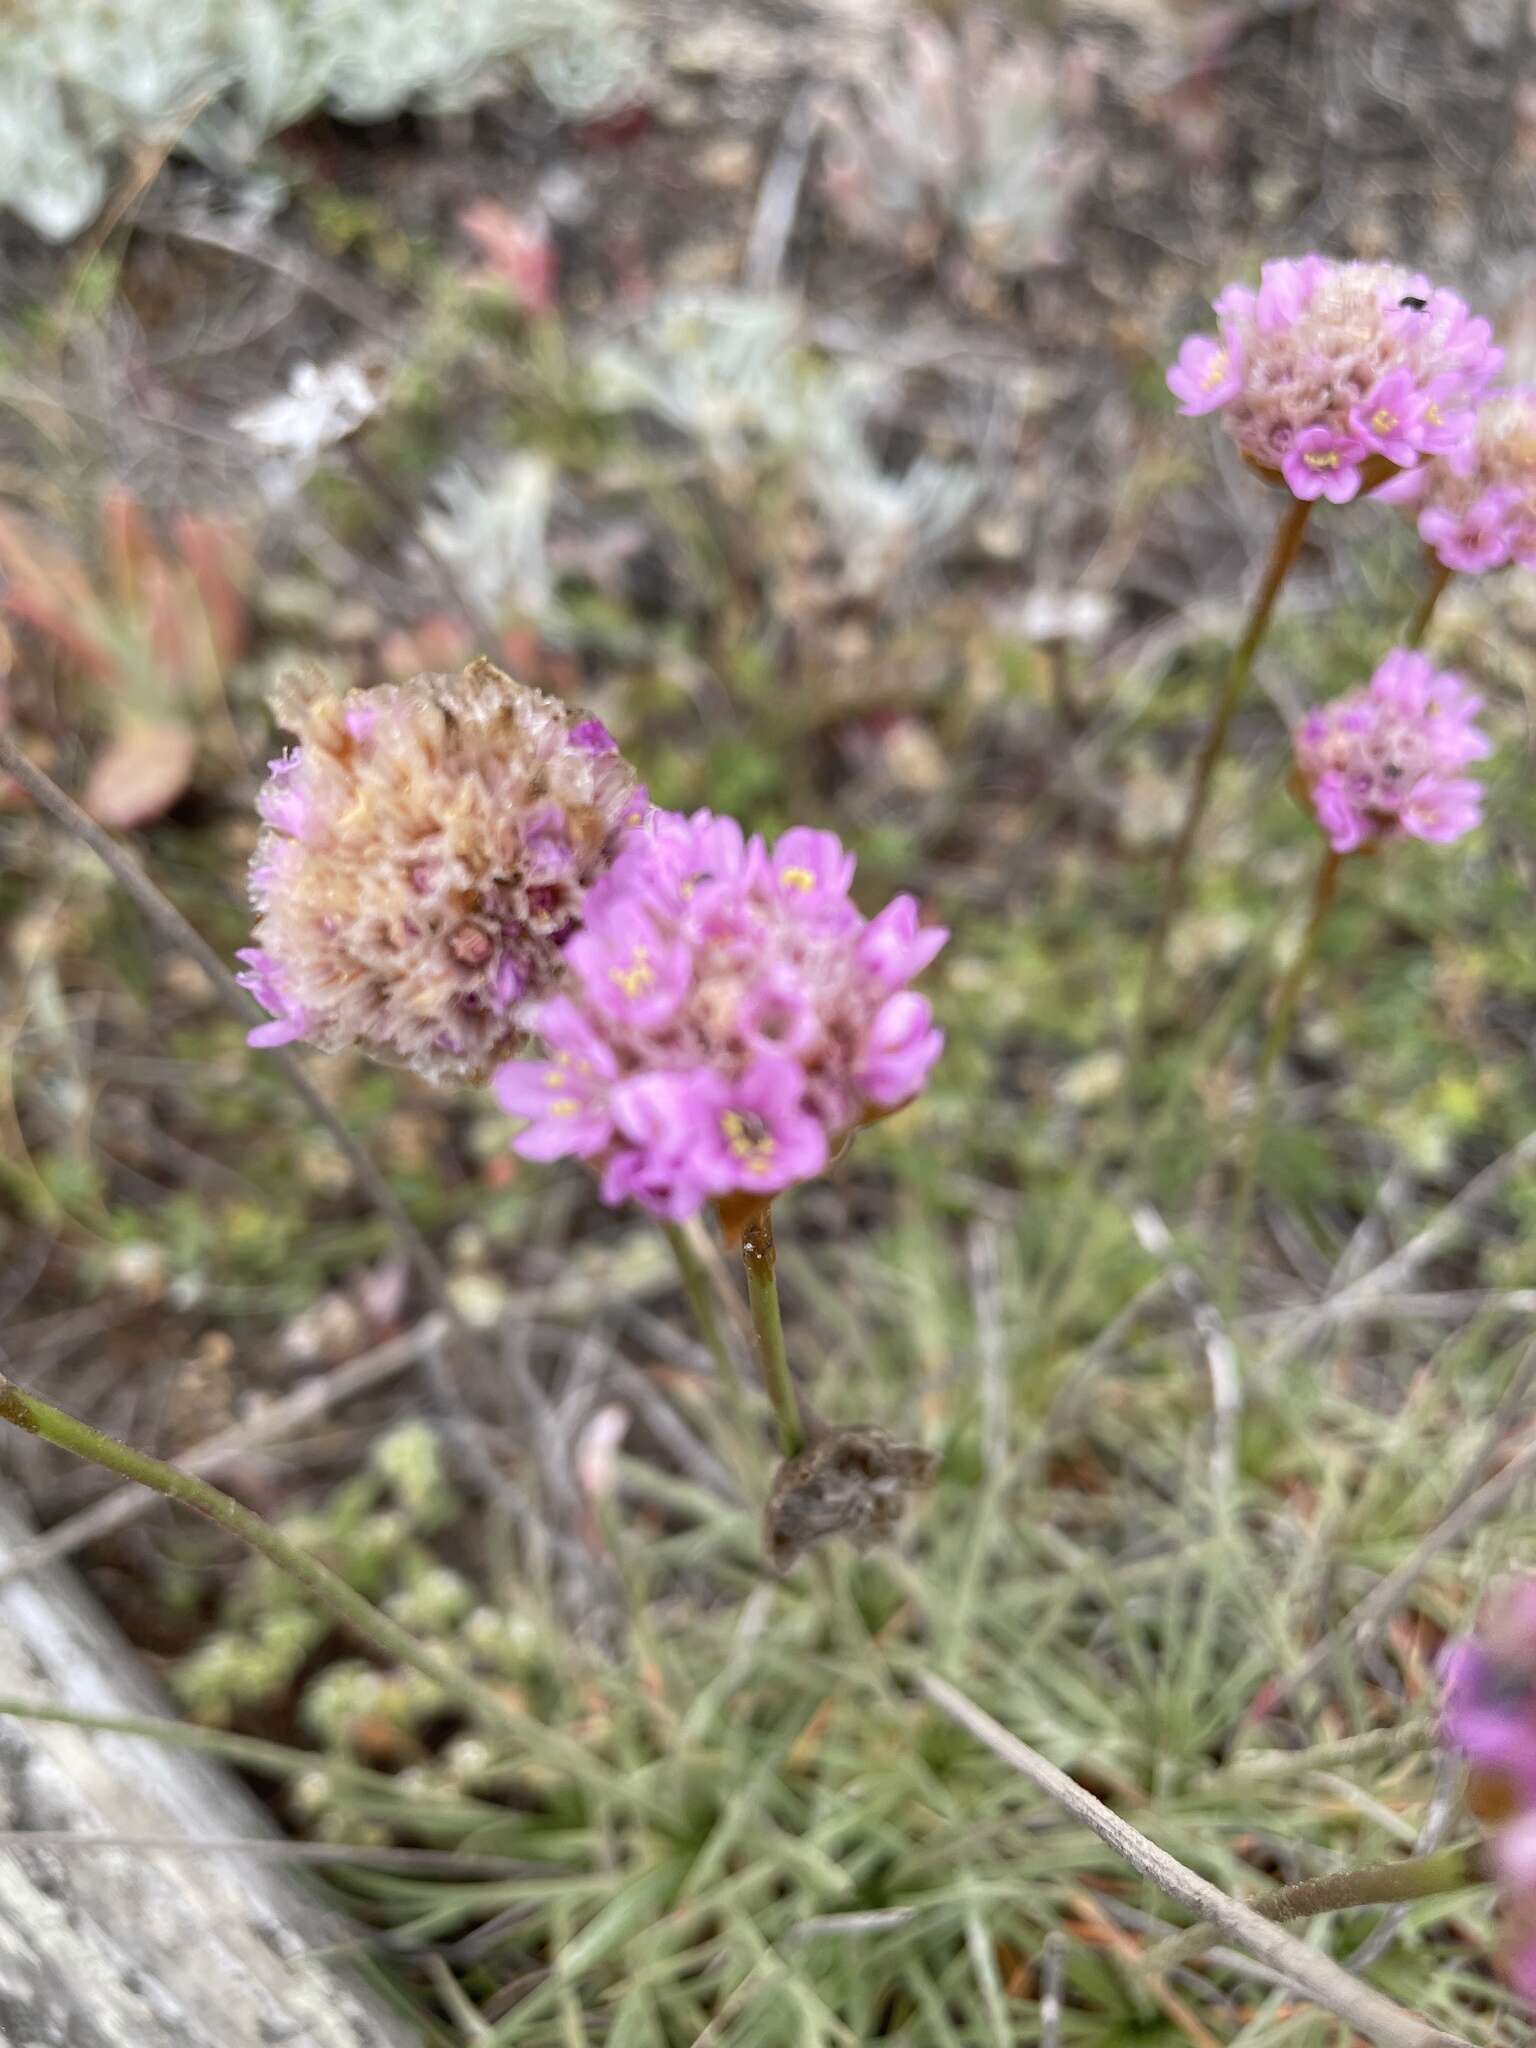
point(851, 1482)
point(428, 849)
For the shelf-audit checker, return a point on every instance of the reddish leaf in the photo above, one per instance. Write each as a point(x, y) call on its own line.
point(141, 774)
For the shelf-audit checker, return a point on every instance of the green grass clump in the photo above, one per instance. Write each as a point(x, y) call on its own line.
point(763, 1828)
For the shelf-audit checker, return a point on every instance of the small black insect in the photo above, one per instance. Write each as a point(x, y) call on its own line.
point(1418, 305)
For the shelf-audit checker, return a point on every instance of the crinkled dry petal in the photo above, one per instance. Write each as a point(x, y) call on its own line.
point(851, 1482)
point(140, 775)
point(1479, 512)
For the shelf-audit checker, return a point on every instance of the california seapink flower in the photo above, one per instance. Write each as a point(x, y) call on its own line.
point(428, 849)
point(1488, 1715)
point(1386, 762)
point(1488, 1699)
point(730, 1018)
point(1476, 509)
point(1322, 464)
point(1331, 376)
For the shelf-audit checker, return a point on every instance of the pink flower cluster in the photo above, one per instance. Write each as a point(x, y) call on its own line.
point(1332, 375)
point(1488, 1683)
point(730, 1018)
point(1387, 762)
point(1476, 509)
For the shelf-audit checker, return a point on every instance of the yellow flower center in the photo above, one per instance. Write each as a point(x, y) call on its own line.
point(748, 1140)
point(1434, 416)
point(1323, 458)
point(638, 975)
point(1215, 371)
point(566, 1106)
point(1383, 421)
point(797, 878)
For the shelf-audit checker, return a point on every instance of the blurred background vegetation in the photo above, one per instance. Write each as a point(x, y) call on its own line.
point(784, 383)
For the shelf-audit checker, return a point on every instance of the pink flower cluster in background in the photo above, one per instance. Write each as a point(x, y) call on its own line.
point(427, 851)
point(1488, 1682)
point(1476, 510)
point(730, 1018)
point(1328, 365)
point(1387, 761)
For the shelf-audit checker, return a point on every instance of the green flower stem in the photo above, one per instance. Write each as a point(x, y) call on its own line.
point(41, 1419)
point(1286, 547)
point(760, 1259)
point(706, 1314)
point(378, 1790)
point(1281, 1019)
point(1380, 1884)
point(1418, 626)
point(251, 1752)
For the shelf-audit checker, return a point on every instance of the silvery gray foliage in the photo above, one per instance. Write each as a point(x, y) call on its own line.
point(493, 532)
point(730, 370)
point(723, 367)
point(961, 131)
point(84, 83)
point(321, 406)
point(880, 524)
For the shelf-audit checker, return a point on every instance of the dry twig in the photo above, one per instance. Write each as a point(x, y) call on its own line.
point(1322, 1979)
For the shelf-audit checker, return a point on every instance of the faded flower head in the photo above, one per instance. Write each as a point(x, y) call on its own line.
point(1488, 1715)
point(427, 852)
point(1476, 509)
point(1387, 762)
point(1332, 375)
point(729, 1020)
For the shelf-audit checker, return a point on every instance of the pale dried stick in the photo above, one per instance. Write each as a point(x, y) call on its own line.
point(1313, 1973)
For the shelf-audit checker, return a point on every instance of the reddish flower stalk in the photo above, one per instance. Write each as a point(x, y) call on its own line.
point(1283, 554)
